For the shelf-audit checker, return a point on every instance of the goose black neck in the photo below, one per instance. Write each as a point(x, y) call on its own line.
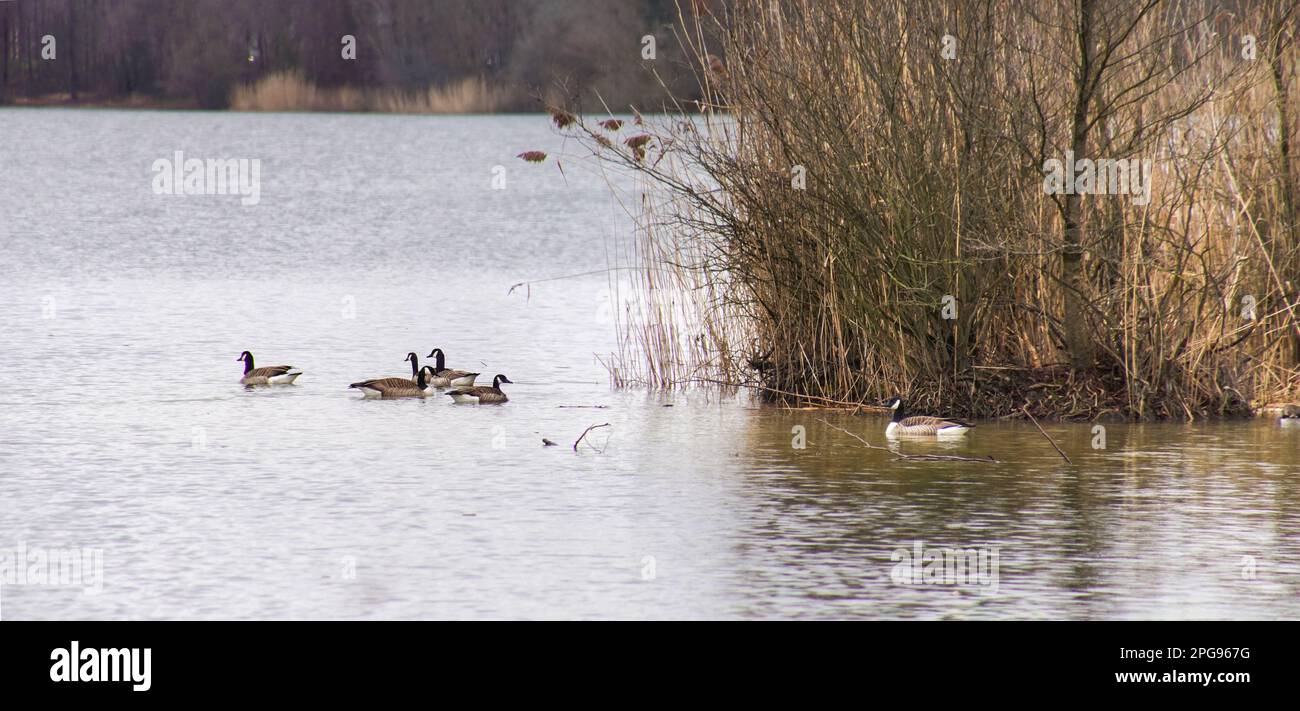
point(415, 364)
point(248, 363)
point(898, 413)
point(420, 379)
point(441, 363)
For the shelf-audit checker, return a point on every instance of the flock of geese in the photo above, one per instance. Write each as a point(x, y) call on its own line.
point(424, 381)
point(429, 379)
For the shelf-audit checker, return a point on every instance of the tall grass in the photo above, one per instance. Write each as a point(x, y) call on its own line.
point(675, 321)
point(924, 191)
point(289, 91)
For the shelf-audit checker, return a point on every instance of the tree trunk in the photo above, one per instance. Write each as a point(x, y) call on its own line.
point(1284, 239)
point(72, 50)
point(1075, 316)
point(4, 73)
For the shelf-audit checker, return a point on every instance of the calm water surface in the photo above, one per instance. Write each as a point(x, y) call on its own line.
point(123, 429)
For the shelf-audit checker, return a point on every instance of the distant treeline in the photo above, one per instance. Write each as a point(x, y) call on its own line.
point(200, 52)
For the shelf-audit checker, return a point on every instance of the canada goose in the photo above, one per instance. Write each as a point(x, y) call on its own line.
point(388, 388)
point(922, 425)
point(1290, 416)
point(266, 375)
point(482, 394)
point(443, 377)
point(398, 382)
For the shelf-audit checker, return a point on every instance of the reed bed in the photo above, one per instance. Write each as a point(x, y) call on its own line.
point(289, 91)
point(858, 207)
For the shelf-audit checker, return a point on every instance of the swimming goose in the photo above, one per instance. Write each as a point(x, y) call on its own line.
point(388, 388)
point(922, 425)
point(482, 394)
point(398, 382)
point(266, 375)
point(1290, 416)
point(443, 377)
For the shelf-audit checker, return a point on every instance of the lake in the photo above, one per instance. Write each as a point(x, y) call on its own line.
point(125, 436)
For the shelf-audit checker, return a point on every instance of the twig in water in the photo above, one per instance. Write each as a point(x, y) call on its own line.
point(914, 457)
point(1049, 439)
point(837, 403)
point(584, 434)
point(530, 282)
point(863, 441)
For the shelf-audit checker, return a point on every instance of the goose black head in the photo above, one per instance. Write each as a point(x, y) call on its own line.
point(245, 356)
point(895, 403)
point(422, 378)
point(496, 382)
point(411, 357)
point(441, 362)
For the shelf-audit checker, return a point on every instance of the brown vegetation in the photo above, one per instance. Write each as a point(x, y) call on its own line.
point(924, 188)
point(289, 91)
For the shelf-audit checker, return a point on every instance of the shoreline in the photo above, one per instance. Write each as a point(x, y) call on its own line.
point(159, 105)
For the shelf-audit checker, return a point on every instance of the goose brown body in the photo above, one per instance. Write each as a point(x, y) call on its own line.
point(396, 382)
point(390, 388)
point(924, 424)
